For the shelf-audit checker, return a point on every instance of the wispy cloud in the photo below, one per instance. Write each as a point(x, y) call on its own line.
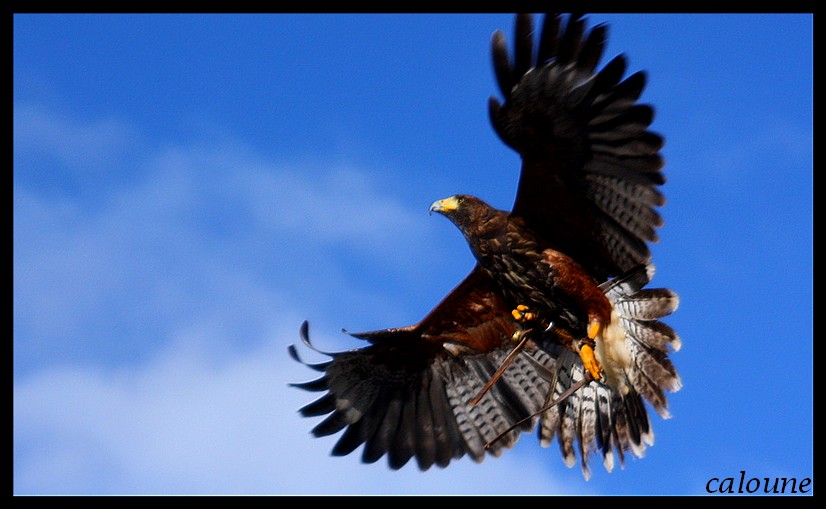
point(151, 325)
point(79, 144)
point(202, 227)
point(199, 419)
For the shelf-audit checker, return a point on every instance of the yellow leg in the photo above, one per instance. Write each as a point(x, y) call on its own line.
point(593, 329)
point(586, 351)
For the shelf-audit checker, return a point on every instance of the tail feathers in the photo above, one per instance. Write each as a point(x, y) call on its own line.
point(649, 370)
point(653, 334)
point(596, 420)
point(610, 419)
point(648, 304)
point(647, 366)
point(651, 374)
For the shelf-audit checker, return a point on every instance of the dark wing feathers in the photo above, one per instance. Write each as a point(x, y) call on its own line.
point(406, 394)
point(548, 39)
point(524, 45)
point(426, 414)
point(425, 433)
point(322, 406)
point(570, 123)
point(334, 423)
point(593, 47)
point(571, 42)
point(501, 63)
point(317, 385)
point(403, 448)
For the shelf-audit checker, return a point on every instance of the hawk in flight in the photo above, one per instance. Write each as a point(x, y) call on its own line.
point(554, 323)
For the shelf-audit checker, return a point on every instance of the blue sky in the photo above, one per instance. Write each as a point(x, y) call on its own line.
point(189, 188)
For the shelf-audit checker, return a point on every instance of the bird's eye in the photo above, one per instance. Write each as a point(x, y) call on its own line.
point(460, 199)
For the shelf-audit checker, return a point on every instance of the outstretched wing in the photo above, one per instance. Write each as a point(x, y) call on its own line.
point(406, 394)
point(590, 166)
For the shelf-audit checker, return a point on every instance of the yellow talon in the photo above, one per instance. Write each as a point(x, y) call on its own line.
point(522, 314)
point(589, 360)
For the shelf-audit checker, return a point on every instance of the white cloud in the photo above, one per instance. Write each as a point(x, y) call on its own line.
point(77, 144)
point(193, 421)
point(201, 227)
point(206, 407)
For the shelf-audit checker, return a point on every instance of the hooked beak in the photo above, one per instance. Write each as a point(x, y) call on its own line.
point(445, 205)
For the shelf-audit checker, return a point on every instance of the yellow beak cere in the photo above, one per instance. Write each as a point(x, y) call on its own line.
point(445, 205)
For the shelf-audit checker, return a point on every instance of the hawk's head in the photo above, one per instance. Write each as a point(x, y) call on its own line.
point(473, 216)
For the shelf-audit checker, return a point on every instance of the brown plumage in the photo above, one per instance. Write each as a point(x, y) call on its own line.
point(583, 214)
point(525, 269)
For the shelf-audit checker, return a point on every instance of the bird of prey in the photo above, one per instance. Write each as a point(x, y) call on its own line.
point(554, 323)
